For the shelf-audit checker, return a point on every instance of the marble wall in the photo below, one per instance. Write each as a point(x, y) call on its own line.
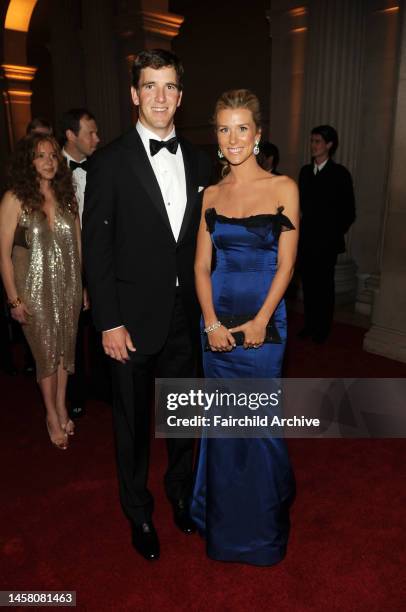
point(337, 61)
point(387, 335)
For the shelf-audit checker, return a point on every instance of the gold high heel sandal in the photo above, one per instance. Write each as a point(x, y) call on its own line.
point(58, 441)
point(69, 427)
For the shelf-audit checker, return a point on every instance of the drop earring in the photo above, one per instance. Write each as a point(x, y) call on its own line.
point(256, 148)
point(220, 153)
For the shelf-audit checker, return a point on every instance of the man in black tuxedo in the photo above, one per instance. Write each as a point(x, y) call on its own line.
point(79, 140)
point(142, 210)
point(328, 209)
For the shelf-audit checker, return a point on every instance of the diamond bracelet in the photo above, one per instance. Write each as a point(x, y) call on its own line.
point(212, 327)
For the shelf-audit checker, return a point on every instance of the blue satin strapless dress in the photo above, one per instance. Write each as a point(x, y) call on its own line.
point(244, 487)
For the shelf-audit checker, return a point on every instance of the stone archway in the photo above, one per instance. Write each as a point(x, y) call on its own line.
point(17, 75)
point(19, 14)
point(90, 56)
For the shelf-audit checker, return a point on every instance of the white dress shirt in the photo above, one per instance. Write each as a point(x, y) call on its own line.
point(169, 171)
point(79, 183)
point(319, 168)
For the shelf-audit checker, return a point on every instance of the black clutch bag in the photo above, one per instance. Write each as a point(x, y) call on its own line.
point(271, 334)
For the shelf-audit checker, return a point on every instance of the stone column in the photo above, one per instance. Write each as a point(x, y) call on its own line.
point(17, 97)
point(101, 67)
point(379, 90)
point(160, 28)
point(289, 38)
point(333, 95)
point(333, 76)
point(387, 335)
point(5, 144)
point(4, 140)
point(130, 40)
point(17, 78)
point(67, 57)
point(143, 24)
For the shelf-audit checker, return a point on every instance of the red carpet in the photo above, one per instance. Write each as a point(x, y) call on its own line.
point(62, 526)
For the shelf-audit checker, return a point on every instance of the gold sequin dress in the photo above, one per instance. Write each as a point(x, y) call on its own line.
point(48, 280)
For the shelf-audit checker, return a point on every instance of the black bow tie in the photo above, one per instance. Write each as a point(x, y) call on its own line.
point(73, 165)
point(156, 145)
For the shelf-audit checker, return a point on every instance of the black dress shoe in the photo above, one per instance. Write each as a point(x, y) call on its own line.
point(145, 540)
point(76, 412)
point(182, 518)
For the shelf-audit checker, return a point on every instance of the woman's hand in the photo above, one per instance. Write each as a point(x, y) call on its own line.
point(20, 313)
point(254, 332)
point(221, 339)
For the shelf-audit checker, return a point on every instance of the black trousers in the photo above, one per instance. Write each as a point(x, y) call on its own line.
point(76, 390)
point(133, 385)
point(80, 386)
point(317, 272)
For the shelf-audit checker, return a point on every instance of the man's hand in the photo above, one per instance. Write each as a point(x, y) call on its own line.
point(86, 300)
point(116, 342)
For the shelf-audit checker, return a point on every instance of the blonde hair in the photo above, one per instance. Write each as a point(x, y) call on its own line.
point(239, 98)
point(233, 99)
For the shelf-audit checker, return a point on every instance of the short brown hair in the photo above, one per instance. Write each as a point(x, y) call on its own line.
point(156, 58)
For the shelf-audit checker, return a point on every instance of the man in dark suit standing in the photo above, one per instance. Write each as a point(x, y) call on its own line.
point(142, 210)
point(80, 139)
point(328, 209)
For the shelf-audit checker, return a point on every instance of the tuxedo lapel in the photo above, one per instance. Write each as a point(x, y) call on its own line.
point(145, 174)
point(191, 187)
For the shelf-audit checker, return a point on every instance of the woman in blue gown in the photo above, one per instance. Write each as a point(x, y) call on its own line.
point(244, 486)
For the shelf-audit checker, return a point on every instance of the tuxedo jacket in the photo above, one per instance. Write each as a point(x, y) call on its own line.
point(327, 208)
point(131, 257)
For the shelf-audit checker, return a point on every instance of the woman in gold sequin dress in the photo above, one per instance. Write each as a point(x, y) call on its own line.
point(41, 269)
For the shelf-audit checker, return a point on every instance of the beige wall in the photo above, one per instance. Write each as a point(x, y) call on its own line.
point(289, 36)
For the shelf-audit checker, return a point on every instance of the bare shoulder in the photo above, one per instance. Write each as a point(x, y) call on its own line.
point(10, 203)
point(285, 191)
point(10, 212)
point(286, 194)
point(210, 193)
point(284, 184)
